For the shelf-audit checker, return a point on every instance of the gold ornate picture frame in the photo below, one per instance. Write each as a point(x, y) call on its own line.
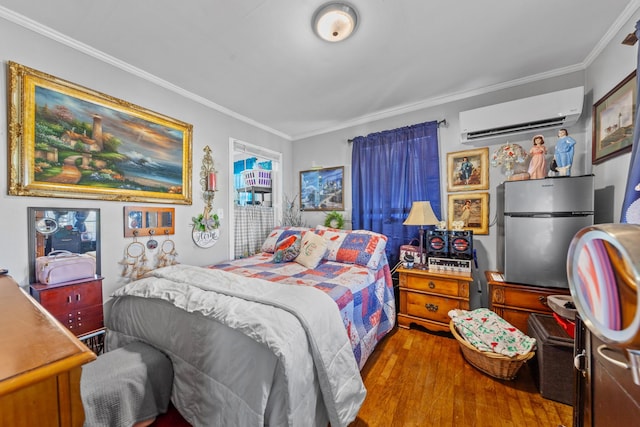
point(470, 208)
point(468, 170)
point(69, 141)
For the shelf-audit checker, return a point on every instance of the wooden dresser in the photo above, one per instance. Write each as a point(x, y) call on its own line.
point(76, 304)
point(426, 297)
point(40, 364)
point(514, 302)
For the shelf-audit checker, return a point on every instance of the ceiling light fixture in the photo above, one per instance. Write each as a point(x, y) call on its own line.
point(335, 21)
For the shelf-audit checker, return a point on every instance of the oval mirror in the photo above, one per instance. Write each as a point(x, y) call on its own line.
point(603, 268)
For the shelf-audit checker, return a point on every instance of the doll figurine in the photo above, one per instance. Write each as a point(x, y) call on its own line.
point(564, 152)
point(538, 164)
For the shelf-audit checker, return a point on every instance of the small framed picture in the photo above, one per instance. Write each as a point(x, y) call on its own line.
point(470, 211)
point(613, 121)
point(468, 170)
point(321, 189)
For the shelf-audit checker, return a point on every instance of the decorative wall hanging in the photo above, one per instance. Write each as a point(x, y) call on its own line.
point(321, 189)
point(613, 121)
point(69, 141)
point(472, 209)
point(206, 226)
point(511, 157)
point(145, 221)
point(134, 262)
point(468, 170)
point(167, 254)
point(334, 219)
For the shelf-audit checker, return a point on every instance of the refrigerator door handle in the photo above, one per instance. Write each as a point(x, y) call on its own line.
point(548, 215)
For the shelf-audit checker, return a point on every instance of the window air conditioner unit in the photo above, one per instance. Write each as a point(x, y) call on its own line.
point(522, 117)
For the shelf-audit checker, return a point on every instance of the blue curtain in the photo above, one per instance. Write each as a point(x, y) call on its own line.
point(631, 205)
point(391, 170)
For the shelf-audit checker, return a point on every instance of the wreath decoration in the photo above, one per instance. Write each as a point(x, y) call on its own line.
point(202, 224)
point(334, 217)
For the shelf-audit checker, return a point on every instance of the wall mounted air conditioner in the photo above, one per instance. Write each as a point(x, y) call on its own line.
point(522, 117)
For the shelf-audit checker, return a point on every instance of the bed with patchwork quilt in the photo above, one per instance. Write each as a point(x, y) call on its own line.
point(274, 339)
point(354, 272)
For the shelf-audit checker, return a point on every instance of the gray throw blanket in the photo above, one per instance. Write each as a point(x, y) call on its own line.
point(126, 386)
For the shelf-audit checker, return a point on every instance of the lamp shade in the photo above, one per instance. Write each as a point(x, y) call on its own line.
point(334, 22)
point(421, 214)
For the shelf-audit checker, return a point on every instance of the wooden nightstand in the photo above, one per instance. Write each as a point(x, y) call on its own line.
point(76, 304)
point(426, 297)
point(514, 303)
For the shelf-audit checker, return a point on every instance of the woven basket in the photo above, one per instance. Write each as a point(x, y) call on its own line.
point(494, 364)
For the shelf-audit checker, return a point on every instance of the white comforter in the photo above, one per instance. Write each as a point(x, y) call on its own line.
point(300, 325)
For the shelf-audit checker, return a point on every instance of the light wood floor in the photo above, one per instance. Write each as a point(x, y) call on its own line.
point(416, 378)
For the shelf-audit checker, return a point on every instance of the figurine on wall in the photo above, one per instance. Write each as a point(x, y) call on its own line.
point(538, 164)
point(564, 153)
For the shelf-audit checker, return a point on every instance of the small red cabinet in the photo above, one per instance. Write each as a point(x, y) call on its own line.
point(76, 304)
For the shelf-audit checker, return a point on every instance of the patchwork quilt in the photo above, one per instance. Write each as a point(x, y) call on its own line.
point(364, 296)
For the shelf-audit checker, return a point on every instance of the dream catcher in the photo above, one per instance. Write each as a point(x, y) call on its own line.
point(134, 263)
point(166, 254)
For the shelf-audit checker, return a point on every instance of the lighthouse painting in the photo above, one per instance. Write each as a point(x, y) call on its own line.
point(70, 141)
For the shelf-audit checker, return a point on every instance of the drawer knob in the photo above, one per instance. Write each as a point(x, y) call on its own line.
point(543, 300)
point(432, 285)
point(431, 307)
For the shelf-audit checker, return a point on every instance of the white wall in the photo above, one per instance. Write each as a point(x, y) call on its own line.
point(209, 128)
point(608, 69)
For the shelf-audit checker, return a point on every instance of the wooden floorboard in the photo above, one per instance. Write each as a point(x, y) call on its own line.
point(415, 378)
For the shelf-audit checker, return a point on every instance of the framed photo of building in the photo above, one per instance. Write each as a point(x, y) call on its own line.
point(69, 141)
point(468, 170)
point(470, 211)
point(613, 121)
point(321, 189)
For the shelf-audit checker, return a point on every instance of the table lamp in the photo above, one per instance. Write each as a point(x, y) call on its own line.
point(421, 214)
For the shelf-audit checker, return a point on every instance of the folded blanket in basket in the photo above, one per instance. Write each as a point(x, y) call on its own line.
point(487, 331)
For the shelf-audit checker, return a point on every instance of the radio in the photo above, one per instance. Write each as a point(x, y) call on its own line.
point(449, 264)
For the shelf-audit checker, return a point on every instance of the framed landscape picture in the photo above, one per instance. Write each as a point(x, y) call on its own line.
point(69, 141)
point(321, 189)
point(470, 210)
point(613, 121)
point(468, 170)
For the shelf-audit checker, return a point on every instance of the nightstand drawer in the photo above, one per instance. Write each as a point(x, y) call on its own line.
point(437, 285)
point(432, 307)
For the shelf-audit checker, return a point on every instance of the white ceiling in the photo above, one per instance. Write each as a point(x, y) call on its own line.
point(258, 60)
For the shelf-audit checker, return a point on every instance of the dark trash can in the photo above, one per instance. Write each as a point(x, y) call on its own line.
point(552, 366)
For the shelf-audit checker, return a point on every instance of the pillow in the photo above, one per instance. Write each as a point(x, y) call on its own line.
point(361, 247)
point(287, 249)
point(280, 233)
point(312, 249)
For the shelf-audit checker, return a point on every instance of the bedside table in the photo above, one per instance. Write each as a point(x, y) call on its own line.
point(76, 304)
point(514, 302)
point(427, 296)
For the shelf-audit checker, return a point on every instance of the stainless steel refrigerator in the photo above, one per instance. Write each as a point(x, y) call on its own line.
point(538, 220)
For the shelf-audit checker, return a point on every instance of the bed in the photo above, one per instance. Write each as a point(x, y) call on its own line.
point(266, 340)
